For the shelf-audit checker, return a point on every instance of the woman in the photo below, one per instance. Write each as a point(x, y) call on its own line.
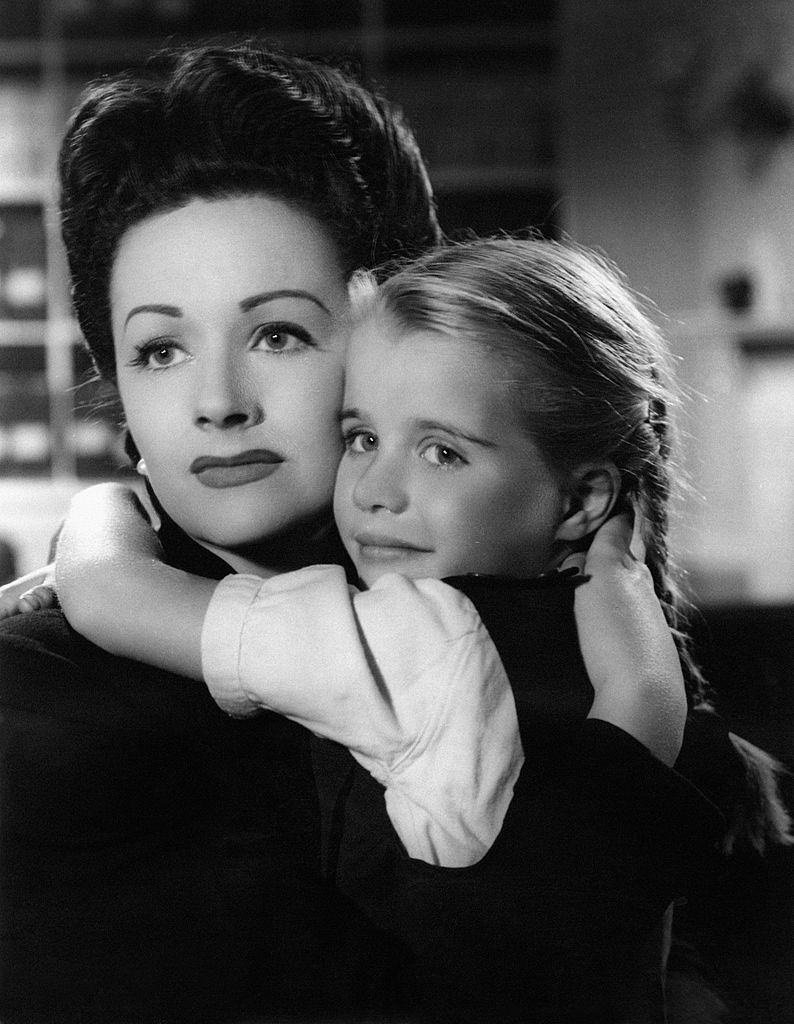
point(159, 861)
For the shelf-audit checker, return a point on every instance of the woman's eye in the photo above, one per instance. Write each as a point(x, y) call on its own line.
point(360, 442)
point(159, 355)
point(442, 455)
point(278, 338)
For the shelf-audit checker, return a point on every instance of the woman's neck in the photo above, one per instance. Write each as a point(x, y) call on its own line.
point(312, 542)
point(309, 544)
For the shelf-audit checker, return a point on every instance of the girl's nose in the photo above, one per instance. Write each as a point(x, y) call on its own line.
point(225, 400)
point(381, 485)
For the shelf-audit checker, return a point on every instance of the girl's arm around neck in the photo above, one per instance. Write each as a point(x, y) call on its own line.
point(117, 591)
point(628, 650)
point(13, 595)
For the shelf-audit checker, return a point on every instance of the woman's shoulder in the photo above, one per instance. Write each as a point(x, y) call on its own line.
point(49, 670)
point(48, 673)
point(38, 636)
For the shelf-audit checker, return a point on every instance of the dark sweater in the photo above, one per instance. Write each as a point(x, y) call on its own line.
point(563, 920)
point(160, 861)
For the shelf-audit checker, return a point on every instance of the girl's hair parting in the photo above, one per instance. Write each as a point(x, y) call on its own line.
point(591, 375)
point(213, 122)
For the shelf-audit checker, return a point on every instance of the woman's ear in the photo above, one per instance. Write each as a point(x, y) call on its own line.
point(593, 490)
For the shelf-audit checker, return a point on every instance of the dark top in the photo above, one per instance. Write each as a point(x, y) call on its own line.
point(159, 861)
point(563, 919)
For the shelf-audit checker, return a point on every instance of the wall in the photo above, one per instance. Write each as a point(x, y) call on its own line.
point(664, 165)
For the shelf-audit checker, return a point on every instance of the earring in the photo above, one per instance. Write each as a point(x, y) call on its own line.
point(140, 467)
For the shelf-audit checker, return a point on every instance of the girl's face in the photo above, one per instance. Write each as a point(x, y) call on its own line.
point(439, 476)
point(229, 366)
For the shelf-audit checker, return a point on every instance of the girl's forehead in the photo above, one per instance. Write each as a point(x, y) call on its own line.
point(383, 350)
point(428, 374)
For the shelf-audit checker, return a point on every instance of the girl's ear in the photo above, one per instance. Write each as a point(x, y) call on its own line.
point(593, 490)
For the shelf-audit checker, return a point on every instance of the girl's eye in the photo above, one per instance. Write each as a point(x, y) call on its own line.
point(158, 355)
point(361, 441)
point(278, 338)
point(442, 455)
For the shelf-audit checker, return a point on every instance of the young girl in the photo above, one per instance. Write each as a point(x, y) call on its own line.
point(502, 397)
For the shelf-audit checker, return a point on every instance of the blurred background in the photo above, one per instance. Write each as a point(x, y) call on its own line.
point(659, 130)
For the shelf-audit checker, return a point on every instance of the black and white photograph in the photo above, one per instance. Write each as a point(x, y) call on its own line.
point(396, 512)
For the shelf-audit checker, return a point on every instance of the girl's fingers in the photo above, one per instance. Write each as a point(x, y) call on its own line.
point(37, 598)
point(576, 560)
point(637, 543)
point(619, 541)
point(611, 544)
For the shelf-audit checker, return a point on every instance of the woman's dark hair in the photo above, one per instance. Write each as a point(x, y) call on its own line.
point(215, 122)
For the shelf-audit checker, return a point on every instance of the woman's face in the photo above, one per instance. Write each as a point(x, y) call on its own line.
point(229, 364)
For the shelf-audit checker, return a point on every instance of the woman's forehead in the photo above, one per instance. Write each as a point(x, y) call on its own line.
point(239, 245)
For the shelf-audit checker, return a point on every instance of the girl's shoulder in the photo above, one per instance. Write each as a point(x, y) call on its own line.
point(532, 625)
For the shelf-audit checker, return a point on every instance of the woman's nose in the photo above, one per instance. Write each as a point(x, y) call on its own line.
point(381, 485)
point(225, 400)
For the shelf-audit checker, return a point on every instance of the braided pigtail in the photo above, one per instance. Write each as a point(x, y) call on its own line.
point(653, 444)
point(760, 818)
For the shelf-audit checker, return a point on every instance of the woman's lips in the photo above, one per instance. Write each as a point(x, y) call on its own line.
point(236, 470)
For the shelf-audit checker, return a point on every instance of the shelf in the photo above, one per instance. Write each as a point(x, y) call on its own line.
point(769, 342)
point(26, 54)
point(25, 191)
point(21, 333)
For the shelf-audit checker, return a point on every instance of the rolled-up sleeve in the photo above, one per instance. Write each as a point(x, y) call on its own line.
point(405, 675)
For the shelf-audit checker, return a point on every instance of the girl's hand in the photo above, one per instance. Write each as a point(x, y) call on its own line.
point(106, 528)
point(115, 588)
point(626, 643)
point(32, 592)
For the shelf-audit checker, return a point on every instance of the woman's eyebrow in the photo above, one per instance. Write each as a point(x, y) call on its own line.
point(154, 308)
point(284, 293)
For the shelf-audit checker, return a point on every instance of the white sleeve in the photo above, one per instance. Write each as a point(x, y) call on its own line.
point(405, 675)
